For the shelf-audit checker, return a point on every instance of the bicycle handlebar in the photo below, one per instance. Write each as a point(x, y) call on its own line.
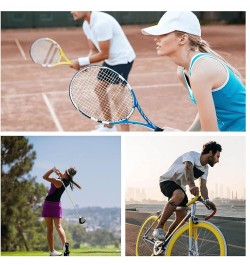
point(199, 198)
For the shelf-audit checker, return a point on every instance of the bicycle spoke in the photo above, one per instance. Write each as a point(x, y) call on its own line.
point(204, 243)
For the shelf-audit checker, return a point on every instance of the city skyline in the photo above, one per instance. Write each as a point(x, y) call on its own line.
point(136, 194)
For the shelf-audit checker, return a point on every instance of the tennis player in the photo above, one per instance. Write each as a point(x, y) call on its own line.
point(108, 43)
point(52, 208)
point(183, 172)
point(212, 83)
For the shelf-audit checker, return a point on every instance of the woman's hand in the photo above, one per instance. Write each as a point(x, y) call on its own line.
point(57, 171)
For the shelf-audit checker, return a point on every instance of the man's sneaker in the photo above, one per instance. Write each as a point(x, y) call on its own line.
point(55, 253)
point(102, 128)
point(66, 249)
point(159, 234)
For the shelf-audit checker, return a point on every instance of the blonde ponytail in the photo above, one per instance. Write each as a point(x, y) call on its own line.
point(196, 42)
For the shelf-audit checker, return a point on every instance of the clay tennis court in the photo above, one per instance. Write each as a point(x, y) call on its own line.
point(36, 99)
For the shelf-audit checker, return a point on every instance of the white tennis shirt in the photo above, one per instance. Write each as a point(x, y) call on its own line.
point(176, 172)
point(103, 27)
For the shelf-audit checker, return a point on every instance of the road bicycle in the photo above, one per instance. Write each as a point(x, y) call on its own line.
point(194, 238)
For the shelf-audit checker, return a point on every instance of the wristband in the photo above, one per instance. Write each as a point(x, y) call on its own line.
point(83, 61)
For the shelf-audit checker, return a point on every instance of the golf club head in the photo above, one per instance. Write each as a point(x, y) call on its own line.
point(82, 220)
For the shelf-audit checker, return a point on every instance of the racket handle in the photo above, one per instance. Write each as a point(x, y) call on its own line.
point(159, 129)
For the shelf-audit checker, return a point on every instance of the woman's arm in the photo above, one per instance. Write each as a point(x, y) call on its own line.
point(56, 182)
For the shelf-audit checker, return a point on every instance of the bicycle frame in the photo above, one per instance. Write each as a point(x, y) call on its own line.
point(160, 246)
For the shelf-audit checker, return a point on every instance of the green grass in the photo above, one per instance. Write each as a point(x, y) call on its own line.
point(87, 251)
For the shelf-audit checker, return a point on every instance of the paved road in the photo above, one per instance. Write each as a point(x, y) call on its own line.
point(233, 229)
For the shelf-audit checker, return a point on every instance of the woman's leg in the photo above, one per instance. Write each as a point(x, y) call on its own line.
point(60, 230)
point(50, 238)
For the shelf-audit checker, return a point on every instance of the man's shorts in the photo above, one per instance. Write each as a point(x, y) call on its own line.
point(168, 187)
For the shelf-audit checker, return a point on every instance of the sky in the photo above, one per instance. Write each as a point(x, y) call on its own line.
point(146, 158)
point(98, 163)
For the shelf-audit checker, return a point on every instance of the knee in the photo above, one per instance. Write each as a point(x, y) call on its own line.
point(178, 196)
point(58, 226)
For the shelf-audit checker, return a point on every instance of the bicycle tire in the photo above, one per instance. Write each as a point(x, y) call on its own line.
point(142, 247)
point(209, 241)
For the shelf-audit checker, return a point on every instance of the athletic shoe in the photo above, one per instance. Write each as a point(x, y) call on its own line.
point(55, 253)
point(101, 128)
point(159, 234)
point(66, 249)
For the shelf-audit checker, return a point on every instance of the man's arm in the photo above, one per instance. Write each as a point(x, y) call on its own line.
point(189, 174)
point(203, 188)
point(204, 194)
point(94, 56)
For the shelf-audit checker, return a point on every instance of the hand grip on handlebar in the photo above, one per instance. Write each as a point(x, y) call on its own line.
point(211, 215)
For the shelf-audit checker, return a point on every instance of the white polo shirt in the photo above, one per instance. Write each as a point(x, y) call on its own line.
point(176, 172)
point(103, 27)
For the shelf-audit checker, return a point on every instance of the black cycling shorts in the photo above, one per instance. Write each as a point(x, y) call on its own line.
point(168, 187)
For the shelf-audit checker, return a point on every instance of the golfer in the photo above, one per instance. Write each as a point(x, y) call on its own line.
point(213, 85)
point(52, 208)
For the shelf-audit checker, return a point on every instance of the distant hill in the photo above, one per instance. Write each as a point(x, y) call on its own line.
point(96, 218)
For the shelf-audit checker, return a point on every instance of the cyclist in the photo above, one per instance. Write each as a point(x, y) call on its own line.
point(184, 171)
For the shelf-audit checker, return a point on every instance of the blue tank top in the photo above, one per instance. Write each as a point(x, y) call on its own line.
point(229, 99)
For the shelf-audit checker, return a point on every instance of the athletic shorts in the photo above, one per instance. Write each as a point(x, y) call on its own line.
point(168, 187)
point(52, 209)
point(122, 69)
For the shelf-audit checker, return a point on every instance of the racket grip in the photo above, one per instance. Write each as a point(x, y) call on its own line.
point(159, 129)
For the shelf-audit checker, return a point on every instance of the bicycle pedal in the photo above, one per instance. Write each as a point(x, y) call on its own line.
point(158, 250)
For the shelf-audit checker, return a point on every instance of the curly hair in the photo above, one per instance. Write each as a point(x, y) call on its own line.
point(211, 146)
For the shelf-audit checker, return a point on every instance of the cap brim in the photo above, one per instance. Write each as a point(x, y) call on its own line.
point(156, 30)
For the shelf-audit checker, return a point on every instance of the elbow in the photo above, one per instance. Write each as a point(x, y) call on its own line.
point(104, 55)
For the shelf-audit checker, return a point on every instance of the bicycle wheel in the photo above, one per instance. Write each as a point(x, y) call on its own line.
point(207, 240)
point(145, 241)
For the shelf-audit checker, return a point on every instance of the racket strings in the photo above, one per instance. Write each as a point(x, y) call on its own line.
point(45, 52)
point(101, 94)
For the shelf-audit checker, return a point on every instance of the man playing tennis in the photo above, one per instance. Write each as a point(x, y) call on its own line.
point(211, 82)
point(108, 43)
point(184, 171)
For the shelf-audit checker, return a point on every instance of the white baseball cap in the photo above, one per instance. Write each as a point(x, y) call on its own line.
point(185, 21)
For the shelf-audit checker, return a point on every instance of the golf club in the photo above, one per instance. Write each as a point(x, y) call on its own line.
point(81, 219)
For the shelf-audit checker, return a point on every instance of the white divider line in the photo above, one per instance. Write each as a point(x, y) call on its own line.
point(52, 112)
point(20, 49)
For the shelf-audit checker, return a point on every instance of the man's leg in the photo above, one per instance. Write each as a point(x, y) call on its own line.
point(177, 197)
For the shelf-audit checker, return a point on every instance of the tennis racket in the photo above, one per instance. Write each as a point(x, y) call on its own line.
point(48, 53)
point(103, 95)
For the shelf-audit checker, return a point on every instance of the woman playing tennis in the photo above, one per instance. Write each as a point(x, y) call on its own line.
point(212, 83)
point(52, 209)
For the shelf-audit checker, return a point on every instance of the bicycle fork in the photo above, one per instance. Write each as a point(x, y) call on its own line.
point(193, 236)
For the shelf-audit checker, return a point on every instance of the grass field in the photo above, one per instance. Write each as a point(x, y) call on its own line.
point(107, 251)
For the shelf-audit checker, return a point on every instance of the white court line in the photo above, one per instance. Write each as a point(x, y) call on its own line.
point(21, 49)
point(52, 112)
point(64, 92)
